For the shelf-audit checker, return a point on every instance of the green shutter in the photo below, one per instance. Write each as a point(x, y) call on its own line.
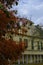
point(41, 46)
point(32, 44)
point(38, 45)
point(26, 43)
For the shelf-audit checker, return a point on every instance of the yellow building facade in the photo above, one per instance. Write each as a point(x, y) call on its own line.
point(34, 51)
point(34, 43)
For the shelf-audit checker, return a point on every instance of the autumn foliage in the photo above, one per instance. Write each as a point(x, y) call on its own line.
point(9, 3)
point(8, 48)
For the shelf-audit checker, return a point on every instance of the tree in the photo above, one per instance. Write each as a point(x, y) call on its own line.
point(9, 50)
point(9, 2)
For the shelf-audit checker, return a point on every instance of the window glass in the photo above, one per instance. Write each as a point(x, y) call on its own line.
point(20, 39)
point(39, 45)
point(32, 44)
point(26, 43)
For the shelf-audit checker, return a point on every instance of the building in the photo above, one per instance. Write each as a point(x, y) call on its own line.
point(34, 43)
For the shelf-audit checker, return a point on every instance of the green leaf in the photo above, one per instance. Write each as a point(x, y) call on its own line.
point(7, 13)
point(1, 6)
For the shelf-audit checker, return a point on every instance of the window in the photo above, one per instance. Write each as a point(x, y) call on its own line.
point(32, 44)
point(40, 45)
point(20, 39)
point(26, 43)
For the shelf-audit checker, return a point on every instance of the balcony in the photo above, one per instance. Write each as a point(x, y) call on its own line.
point(33, 52)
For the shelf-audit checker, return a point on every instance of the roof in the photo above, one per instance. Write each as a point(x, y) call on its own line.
point(26, 20)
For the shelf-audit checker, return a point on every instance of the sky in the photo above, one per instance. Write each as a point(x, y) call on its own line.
point(31, 9)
